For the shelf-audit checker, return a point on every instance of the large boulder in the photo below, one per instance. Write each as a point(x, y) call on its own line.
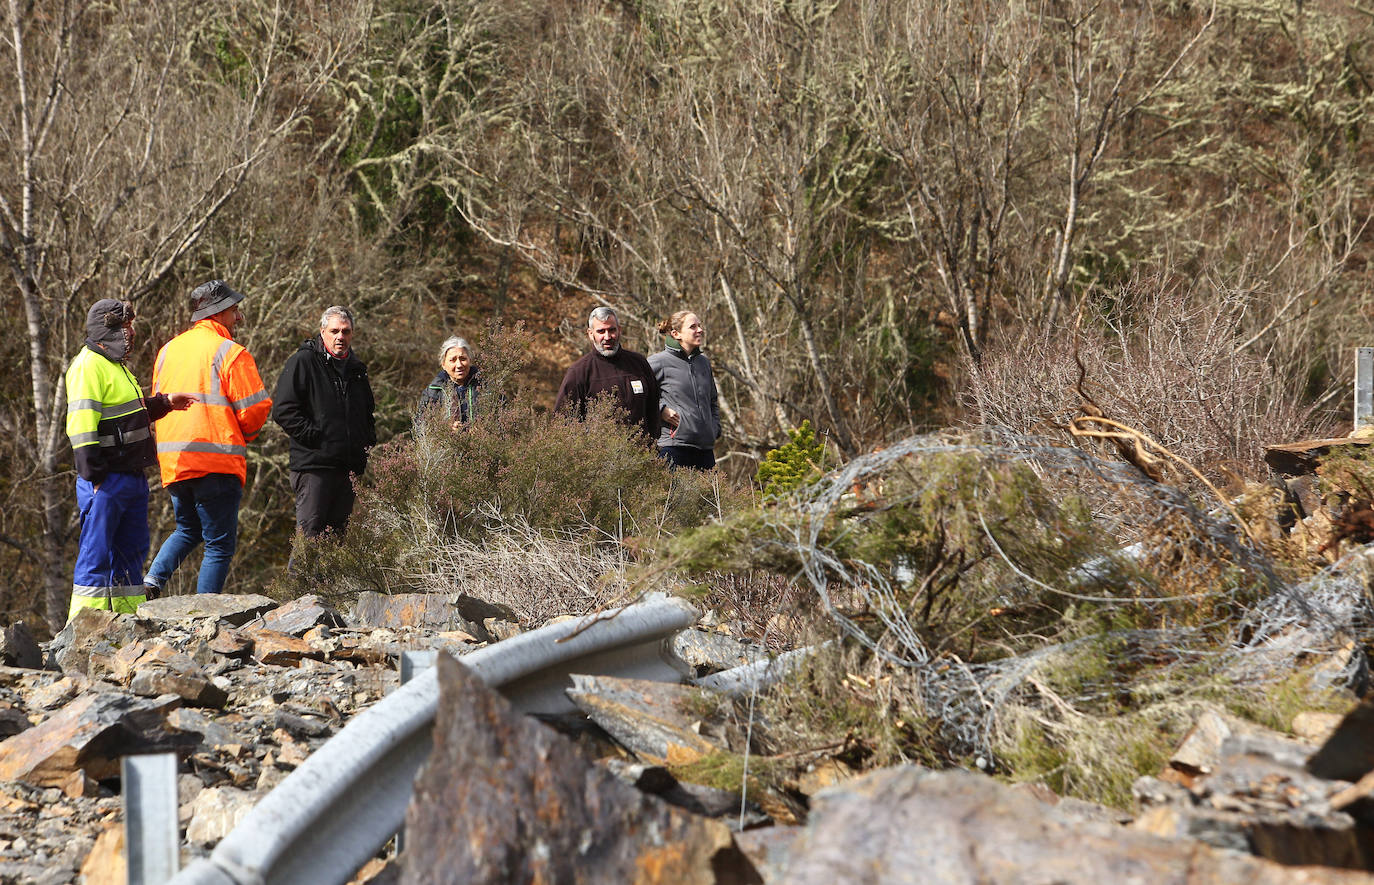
point(908, 825)
point(91, 734)
point(506, 799)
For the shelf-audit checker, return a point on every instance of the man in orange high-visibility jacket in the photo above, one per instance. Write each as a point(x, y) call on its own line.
point(203, 450)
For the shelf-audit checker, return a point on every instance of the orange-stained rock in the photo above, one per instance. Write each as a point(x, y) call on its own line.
point(92, 732)
point(272, 647)
point(506, 799)
point(105, 865)
point(230, 642)
point(650, 719)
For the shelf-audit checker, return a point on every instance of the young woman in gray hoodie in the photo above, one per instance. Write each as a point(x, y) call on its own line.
point(690, 410)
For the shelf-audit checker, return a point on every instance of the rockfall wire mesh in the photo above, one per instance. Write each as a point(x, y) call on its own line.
point(1174, 588)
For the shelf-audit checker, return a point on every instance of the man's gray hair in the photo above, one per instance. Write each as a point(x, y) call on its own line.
point(338, 310)
point(600, 315)
point(451, 342)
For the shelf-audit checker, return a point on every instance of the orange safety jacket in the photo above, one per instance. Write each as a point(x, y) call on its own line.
point(231, 405)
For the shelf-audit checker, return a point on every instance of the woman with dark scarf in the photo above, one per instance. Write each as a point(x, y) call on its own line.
point(455, 386)
point(690, 413)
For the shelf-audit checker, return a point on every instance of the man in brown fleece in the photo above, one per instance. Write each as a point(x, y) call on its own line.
point(609, 367)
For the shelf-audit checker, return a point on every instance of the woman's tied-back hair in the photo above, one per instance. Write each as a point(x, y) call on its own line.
point(451, 342)
point(674, 322)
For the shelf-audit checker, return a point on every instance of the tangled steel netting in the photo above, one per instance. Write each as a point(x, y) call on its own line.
point(1002, 572)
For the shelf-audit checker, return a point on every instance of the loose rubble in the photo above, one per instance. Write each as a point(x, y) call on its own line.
point(243, 690)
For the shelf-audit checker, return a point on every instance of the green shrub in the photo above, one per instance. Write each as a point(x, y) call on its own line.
point(793, 465)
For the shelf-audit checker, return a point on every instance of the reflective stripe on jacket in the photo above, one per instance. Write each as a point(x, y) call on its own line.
point(231, 405)
point(107, 421)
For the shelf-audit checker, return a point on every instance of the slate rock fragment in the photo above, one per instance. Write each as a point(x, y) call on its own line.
point(907, 825)
point(506, 799)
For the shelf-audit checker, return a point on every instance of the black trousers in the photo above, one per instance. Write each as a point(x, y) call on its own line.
point(688, 456)
point(324, 500)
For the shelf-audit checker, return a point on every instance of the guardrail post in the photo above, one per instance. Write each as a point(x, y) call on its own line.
point(412, 663)
point(152, 846)
point(1364, 386)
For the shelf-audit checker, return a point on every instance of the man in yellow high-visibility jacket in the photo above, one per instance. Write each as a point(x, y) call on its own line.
point(203, 451)
point(109, 423)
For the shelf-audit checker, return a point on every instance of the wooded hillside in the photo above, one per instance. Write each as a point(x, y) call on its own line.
point(891, 216)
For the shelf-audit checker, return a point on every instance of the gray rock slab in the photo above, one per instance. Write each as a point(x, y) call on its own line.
point(650, 719)
point(476, 610)
point(217, 810)
point(301, 615)
point(18, 648)
point(769, 849)
point(195, 688)
point(235, 609)
point(1348, 753)
point(13, 721)
point(91, 629)
point(90, 733)
point(212, 734)
point(433, 611)
point(704, 652)
point(906, 825)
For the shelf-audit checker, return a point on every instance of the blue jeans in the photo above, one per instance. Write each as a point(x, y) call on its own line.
point(207, 509)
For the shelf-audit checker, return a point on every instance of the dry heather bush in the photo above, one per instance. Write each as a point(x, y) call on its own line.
point(537, 574)
point(766, 608)
point(529, 509)
point(1165, 360)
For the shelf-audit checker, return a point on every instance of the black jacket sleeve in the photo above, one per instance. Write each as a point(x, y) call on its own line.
point(291, 403)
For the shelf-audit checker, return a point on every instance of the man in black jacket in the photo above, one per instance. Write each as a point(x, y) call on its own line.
point(324, 403)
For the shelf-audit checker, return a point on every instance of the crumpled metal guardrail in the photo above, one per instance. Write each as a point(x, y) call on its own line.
point(337, 810)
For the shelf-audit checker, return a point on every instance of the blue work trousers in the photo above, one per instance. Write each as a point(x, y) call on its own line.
point(207, 509)
point(114, 541)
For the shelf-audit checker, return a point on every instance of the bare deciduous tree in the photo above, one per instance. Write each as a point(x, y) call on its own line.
point(131, 128)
